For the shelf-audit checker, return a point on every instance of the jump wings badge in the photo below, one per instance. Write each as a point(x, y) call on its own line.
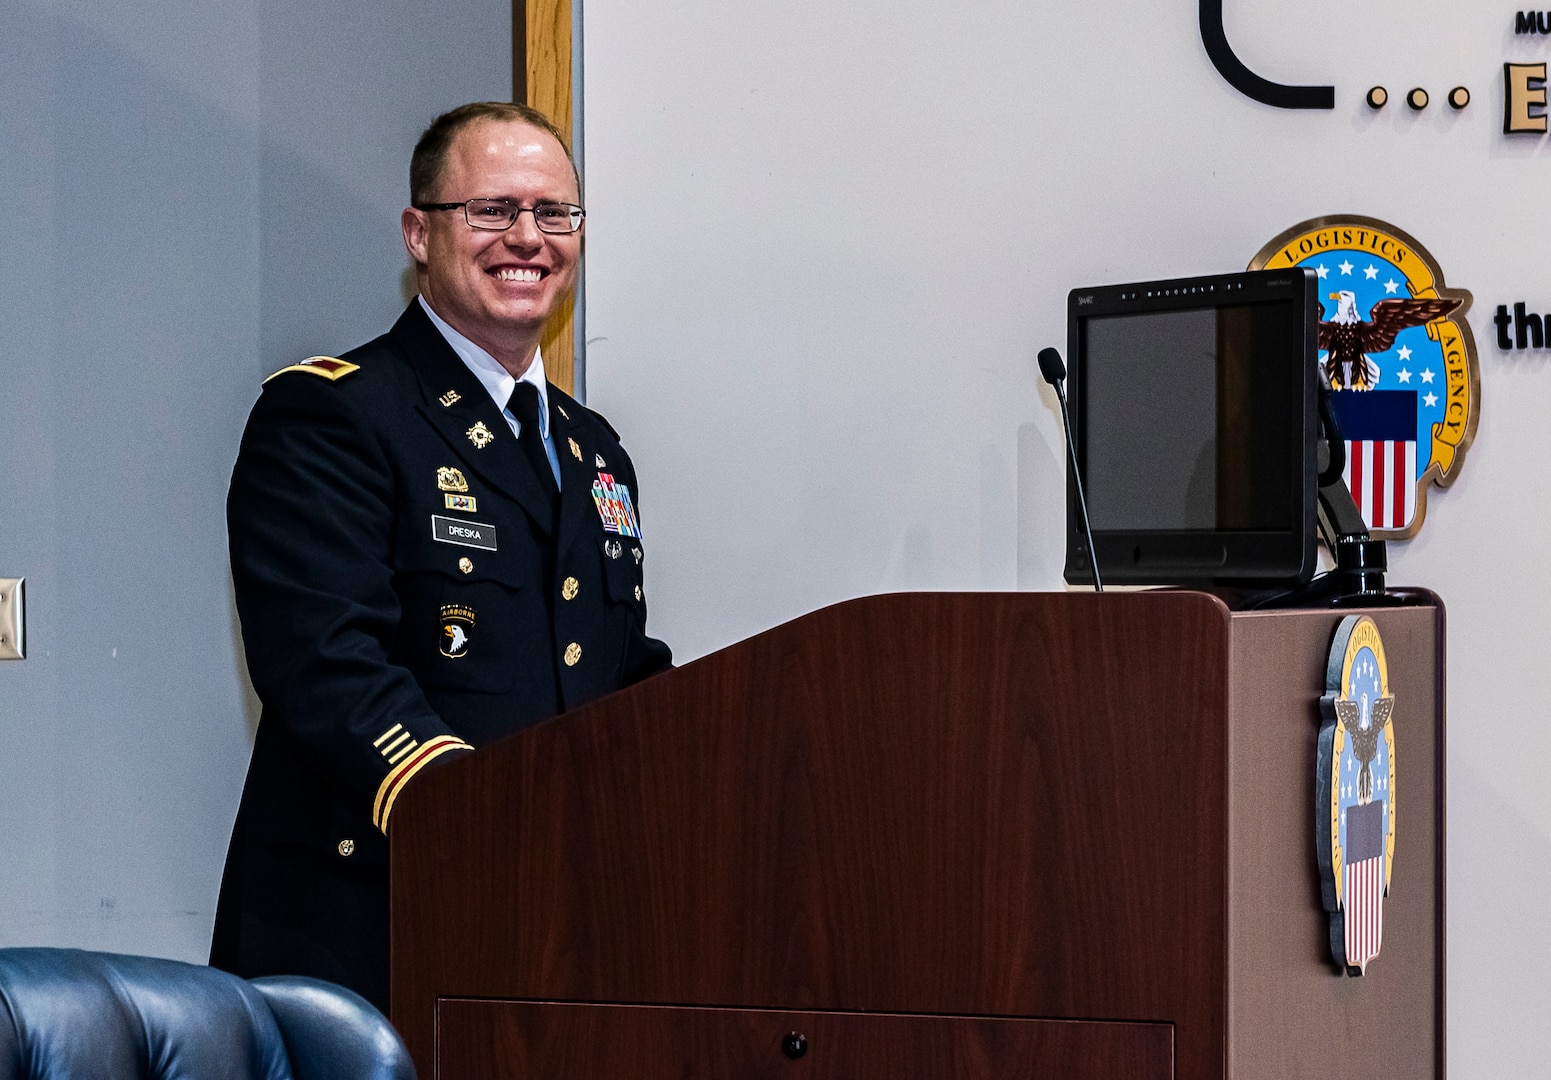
point(1354, 802)
point(1399, 357)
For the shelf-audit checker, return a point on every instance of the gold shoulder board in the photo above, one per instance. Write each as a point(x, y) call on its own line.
point(327, 366)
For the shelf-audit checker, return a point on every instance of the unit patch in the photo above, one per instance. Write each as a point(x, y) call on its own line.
point(480, 435)
point(449, 479)
point(474, 534)
point(462, 502)
point(1354, 802)
point(613, 548)
point(457, 630)
point(614, 507)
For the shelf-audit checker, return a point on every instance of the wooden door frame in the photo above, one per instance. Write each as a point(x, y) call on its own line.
point(541, 77)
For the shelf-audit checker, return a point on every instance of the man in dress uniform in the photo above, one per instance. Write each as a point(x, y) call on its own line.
point(432, 547)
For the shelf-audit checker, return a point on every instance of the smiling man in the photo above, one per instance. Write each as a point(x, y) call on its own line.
point(432, 547)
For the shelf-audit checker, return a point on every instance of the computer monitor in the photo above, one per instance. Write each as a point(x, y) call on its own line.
point(1194, 414)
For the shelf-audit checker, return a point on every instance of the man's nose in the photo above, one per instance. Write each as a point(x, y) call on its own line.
point(524, 232)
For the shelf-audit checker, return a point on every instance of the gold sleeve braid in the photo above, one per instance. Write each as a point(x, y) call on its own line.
point(405, 770)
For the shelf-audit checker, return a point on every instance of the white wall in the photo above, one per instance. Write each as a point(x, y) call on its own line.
point(822, 406)
point(196, 194)
point(830, 389)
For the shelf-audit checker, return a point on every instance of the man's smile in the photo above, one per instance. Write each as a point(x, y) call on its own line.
point(516, 273)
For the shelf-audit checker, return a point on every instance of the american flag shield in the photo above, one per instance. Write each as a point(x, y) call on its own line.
point(1380, 429)
point(1363, 899)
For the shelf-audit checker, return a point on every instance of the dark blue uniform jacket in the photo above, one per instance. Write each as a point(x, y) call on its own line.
point(405, 595)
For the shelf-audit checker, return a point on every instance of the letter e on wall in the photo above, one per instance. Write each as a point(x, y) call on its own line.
point(1524, 98)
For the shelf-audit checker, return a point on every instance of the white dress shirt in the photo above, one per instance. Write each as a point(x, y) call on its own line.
point(498, 382)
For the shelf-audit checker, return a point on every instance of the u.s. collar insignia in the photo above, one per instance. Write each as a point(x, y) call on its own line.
point(457, 630)
point(1399, 357)
point(480, 435)
point(450, 479)
point(449, 398)
point(576, 451)
point(1354, 802)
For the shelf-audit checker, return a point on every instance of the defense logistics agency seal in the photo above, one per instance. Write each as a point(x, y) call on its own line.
point(1355, 793)
point(1399, 356)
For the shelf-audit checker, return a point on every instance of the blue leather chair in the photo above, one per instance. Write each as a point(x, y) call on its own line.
point(72, 1015)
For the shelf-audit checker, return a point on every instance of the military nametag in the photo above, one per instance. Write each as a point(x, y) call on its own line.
point(614, 506)
point(474, 534)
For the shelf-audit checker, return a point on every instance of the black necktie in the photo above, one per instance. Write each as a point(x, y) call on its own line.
point(524, 405)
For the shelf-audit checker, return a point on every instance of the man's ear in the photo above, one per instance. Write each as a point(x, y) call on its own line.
point(416, 229)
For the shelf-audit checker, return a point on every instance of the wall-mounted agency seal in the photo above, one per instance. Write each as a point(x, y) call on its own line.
point(457, 630)
point(1397, 352)
point(1354, 799)
point(474, 534)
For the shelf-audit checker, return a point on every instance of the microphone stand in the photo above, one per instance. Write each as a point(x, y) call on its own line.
point(1053, 369)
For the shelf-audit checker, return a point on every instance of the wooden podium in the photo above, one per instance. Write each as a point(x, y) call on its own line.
point(929, 835)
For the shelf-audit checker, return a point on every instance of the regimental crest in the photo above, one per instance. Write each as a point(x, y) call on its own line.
point(480, 435)
point(1399, 357)
point(457, 630)
point(1354, 802)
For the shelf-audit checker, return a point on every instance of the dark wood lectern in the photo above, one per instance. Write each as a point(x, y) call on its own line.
point(929, 835)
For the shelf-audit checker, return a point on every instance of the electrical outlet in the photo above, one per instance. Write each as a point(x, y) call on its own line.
point(12, 626)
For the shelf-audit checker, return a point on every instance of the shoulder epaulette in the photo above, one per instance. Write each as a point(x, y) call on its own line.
point(600, 418)
point(329, 367)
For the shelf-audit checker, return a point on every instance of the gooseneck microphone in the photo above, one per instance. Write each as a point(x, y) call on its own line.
point(1053, 368)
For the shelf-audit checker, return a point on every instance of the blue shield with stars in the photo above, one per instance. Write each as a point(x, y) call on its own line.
point(1397, 352)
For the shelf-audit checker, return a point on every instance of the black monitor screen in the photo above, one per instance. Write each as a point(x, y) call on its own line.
point(1180, 420)
point(1193, 412)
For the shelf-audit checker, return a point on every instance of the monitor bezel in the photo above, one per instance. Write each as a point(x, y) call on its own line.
point(1204, 557)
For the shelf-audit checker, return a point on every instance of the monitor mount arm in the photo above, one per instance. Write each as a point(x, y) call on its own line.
point(1358, 577)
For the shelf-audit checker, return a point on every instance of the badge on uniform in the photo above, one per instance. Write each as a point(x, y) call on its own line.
point(614, 507)
point(450, 479)
point(465, 533)
point(462, 502)
point(576, 451)
point(457, 630)
point(480, 435)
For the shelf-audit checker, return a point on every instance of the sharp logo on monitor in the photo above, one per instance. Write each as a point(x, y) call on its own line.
point(1396, 350)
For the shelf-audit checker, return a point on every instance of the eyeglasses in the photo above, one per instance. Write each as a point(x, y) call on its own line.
point(498, 215)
